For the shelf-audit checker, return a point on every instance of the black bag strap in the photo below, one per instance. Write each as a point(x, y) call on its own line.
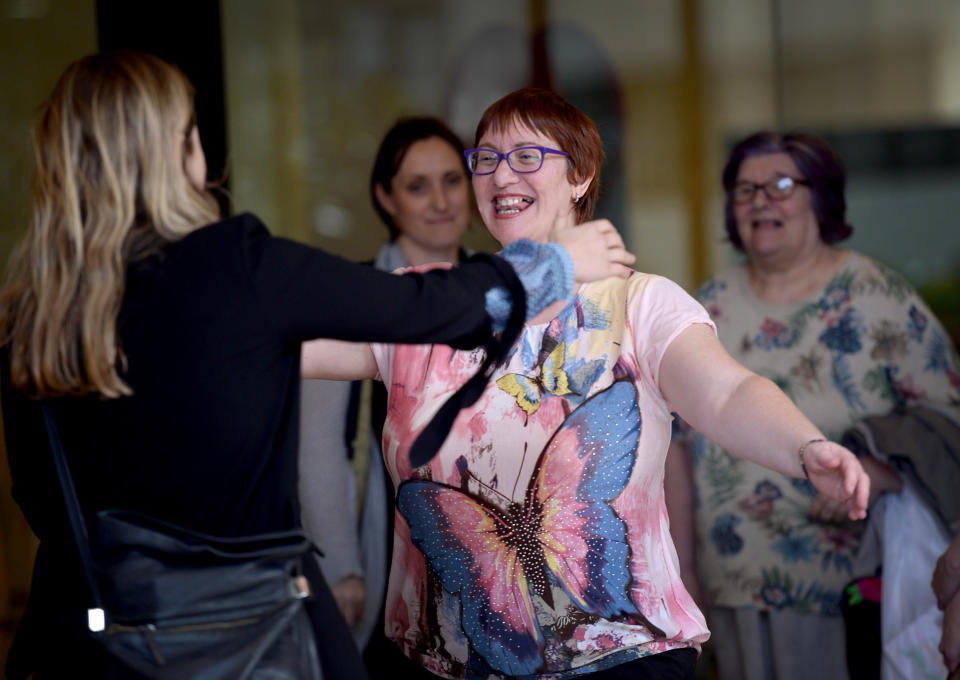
point(430, 440)
point(75, 515)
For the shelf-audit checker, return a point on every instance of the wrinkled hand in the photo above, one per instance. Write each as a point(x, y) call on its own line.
point(350, 595)
point(838, 475)
point(596, 248)
point(946, 586)
point(950, 638)
point(946, 575)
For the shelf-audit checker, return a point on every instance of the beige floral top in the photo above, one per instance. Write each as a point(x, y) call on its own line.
point(864, 344)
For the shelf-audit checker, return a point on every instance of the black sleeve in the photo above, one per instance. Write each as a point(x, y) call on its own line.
point(312, 294)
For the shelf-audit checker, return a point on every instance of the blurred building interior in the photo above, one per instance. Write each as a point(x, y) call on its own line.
point(295, 94)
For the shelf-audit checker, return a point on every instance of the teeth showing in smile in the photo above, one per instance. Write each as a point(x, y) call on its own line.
point(511, 205)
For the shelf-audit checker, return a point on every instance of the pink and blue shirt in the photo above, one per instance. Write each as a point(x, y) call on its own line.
point(536, 542)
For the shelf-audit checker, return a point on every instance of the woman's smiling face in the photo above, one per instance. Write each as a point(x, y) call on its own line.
point(429, 198)
point(517, 205)
point(771, 228)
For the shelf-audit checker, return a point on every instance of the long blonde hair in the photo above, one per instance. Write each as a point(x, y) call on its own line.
point(108, 189)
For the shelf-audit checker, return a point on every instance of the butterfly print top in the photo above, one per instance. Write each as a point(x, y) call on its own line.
point(536, 542)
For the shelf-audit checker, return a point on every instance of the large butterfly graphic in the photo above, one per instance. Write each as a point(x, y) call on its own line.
point(548, 373)
point(563, 534)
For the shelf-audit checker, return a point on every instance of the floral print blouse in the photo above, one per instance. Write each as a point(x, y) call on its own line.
point(861, 346)
point(536, 542)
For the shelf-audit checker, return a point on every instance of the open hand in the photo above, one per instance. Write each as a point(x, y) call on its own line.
point(596, 248)
point(839, 476)
point(946, 586)
point(883, 479)
point(950, 638)
point(946, 575)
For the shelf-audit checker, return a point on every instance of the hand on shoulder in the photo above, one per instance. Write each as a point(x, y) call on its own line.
point(596, 248)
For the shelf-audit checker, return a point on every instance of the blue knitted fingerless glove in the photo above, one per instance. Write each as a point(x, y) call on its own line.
point(546, 272)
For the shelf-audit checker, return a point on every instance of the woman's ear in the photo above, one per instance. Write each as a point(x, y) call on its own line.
point(384, 199)
point(580, 189)
point(193, 159)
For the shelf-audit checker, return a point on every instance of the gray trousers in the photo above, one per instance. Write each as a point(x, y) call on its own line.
point(754, 645)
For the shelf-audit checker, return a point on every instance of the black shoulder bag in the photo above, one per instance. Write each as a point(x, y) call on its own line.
point(171, 604)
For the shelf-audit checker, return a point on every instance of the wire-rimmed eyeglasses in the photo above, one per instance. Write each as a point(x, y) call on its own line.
point(776, 189)
point(521, 159)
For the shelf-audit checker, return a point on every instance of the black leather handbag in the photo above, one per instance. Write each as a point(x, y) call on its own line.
point(167, 602)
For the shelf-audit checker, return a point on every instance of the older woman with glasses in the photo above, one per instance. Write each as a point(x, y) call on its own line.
point(845, 337)
point(536, 542)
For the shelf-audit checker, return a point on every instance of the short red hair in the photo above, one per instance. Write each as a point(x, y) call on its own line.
point(547, 113)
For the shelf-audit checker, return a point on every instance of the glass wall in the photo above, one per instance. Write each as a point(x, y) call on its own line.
point(670, 83)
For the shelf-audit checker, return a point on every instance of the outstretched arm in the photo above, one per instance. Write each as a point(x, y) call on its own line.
point(751, 417)
point(337, 360)
point(595, 251)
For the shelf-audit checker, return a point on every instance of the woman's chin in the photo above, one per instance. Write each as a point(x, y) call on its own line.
point(514, 228)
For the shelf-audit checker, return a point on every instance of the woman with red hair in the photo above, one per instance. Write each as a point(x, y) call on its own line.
point(536, 542)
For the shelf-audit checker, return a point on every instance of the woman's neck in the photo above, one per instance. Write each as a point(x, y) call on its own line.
point(417, 255)
point(786, 282)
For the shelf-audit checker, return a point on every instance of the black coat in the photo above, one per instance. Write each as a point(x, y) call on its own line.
point(211, 329)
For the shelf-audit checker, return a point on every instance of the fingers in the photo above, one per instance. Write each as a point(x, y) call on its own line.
point(423, 268)
point(852, 471)
point(615, 242)
point(862, 497)
point(826, 509)
point(835, 461)
point(856, 484)
point(950, 639)
point(946, 575)
point(620, 258)
point(596, 248)
point(620, 255)
point(819, 508)
point(620, 261)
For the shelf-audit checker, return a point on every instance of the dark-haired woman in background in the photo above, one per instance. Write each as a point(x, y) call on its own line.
point(845, 337)
point(420, 189)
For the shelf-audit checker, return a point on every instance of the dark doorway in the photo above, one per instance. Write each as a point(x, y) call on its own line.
point(186, 33)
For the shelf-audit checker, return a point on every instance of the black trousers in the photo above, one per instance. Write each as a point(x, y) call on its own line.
point(676, 664)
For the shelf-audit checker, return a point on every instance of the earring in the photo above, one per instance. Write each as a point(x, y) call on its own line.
point(576, 199)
